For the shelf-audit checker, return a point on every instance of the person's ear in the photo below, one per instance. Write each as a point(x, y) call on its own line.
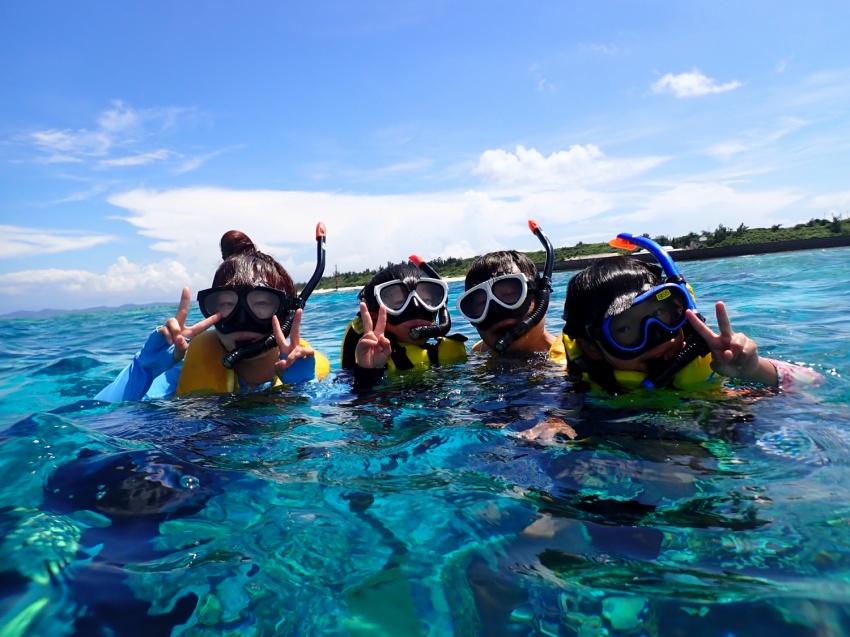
point(590, 349)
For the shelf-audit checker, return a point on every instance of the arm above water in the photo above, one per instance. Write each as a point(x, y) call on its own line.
point(155, 358)
point(735, 355)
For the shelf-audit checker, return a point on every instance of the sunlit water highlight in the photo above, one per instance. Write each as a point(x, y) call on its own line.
point(423, 508)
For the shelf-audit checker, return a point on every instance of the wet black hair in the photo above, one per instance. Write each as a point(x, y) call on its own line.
point(400, 272)
point(495, 264)
point(605, 288)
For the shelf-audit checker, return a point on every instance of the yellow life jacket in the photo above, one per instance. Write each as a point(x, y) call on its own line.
point(448, 350)
point(202, 369)
point(557, 354)
point(695, 376)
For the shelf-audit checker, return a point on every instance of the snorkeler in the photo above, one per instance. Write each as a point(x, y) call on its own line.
point(256, 343)
point(403, 324)
point(506, 300)
point(631, 324)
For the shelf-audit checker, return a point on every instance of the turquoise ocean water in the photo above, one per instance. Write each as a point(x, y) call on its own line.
point(423, 509)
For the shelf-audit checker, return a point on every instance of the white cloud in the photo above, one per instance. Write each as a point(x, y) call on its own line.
point(691, 84)
point(71, 145)
point(605, 49)
point(836, 203)
point(574, 195)
point(756, 139)
point(138, 160)
point(578, 166)
point(694, 207)
point(119, 128)
point(123, 282)
point(16, 241)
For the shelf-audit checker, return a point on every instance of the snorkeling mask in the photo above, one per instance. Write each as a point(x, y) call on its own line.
point(508, 294)
point(244, 309)
point(255, 307)
point(409, 298)
point(655, 316)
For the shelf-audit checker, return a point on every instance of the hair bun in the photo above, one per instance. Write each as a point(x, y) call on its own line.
point(235, 242)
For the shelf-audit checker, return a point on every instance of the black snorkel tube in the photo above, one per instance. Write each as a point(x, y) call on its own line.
point(255, 349)
point(695, 345)
point(544, 290)
point(444, 321)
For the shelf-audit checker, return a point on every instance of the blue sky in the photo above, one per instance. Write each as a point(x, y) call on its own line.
point(134, 134)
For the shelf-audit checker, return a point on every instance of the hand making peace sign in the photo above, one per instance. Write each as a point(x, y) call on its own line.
point(175, 331)
point(292, 350)
point(373, 349)
point(733, 354)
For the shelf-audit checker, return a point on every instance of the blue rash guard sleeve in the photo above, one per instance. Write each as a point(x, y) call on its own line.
point(155, 358)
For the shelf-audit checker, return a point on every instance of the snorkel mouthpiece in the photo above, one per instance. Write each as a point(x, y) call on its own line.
point(544, 290)
point(260, 347)
point(444, 321)
point(695, 345)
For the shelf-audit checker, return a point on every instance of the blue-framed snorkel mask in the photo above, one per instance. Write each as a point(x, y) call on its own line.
point(655, 316)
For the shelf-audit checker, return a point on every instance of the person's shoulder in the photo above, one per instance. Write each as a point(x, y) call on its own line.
point(480, 348)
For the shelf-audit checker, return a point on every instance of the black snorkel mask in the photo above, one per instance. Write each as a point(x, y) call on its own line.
point(695, 346)
point(543, 285)
point(259, 347)
point(443, 322)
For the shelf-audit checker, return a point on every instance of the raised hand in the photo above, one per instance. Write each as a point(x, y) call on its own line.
point(373, 349)
point(733, 354)
point(292, 350)
point(177, 333)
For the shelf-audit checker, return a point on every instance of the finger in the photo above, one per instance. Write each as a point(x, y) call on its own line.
point(183, 308)
point(170, 329)
point(295, 331)
point(723, 322)
point(381, 325)
point(366, 318)
point(279, 337)
point(701, 328)
point(201, 326)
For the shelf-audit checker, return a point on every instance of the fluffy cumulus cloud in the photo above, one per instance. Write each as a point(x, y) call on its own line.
point(577, 194)
point(578, 166)
point(691, 84)
point(693, 207)
point(16, 241)
point(123, 282)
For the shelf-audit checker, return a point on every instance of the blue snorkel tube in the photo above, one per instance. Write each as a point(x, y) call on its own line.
point(695, 345)
point(544, 291)
point(444, 321)
point(260, 347)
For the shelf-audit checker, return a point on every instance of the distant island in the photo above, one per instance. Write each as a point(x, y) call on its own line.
point(716, 244)
point(720, 243)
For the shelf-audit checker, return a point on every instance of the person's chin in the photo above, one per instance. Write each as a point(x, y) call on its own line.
point(497, 331)
point(660, 354)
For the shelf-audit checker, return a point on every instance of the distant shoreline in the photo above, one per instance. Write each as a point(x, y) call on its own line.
point(577, 263)
point(702, 254)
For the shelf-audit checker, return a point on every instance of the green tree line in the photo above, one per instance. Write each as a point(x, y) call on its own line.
point(721, 236)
